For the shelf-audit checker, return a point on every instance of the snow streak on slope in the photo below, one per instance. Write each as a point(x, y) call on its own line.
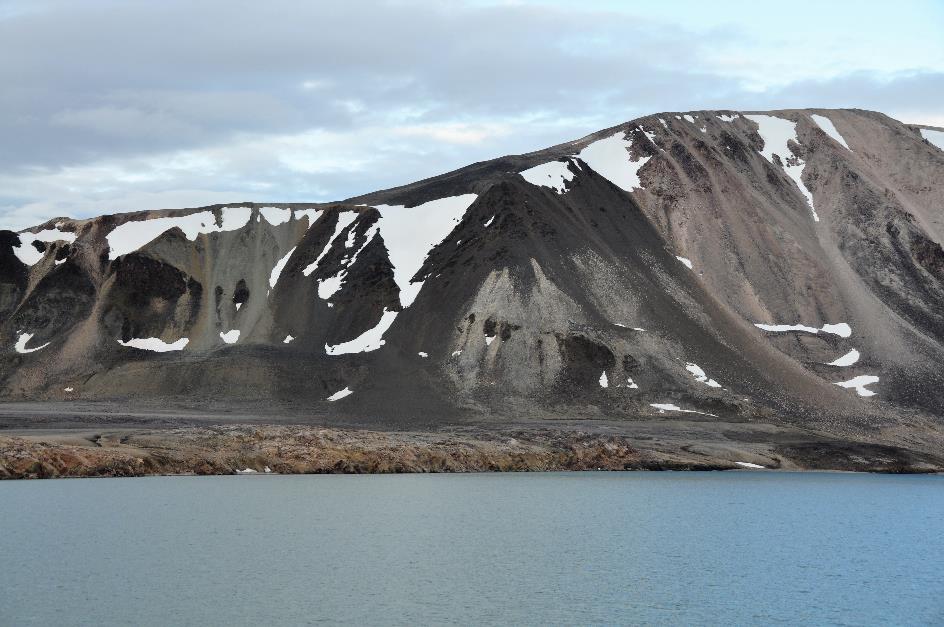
point(277, 270)
point(841, 328)
point(328, 287)
point(830, 129)
point(130, 236)
point(369, 340)
point(340, 394)
point(776, 133)
point(154, 344)
point(344, 220)
point(700, 375)
point(554, 174)
point(610, 159)
point(935, 137)
point(664, 407)
point(410, 233)
point(23, 339)
point(846, 360)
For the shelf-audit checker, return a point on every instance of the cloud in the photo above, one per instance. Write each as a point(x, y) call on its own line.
point(110, 101)
point(453, 133)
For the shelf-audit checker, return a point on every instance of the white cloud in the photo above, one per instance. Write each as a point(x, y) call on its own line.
point(454, 133)
point(98, 111)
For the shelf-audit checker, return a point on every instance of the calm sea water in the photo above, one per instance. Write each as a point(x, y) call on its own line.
point(562, 548)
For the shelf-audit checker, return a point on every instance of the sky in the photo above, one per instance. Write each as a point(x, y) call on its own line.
point(123, 105)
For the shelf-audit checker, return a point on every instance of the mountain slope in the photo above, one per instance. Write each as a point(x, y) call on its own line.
point(715, 265)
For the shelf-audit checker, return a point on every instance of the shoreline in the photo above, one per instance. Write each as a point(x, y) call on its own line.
point(225, 449)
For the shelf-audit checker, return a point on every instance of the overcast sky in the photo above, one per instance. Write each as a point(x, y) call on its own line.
point(120, 105)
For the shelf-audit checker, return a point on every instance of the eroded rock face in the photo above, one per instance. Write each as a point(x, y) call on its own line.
point(714, 264)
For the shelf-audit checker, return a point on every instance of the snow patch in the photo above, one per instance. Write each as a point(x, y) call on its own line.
point(351, 236)
point(276, 216)
point(489, 222)
point(23, 339)
point(311, 214)
point(28, 254)
point(154, 344)
point(410, 233)
point(247, 471)
point(68, 389)
point(830, 129)
point(631, 384)
point(489, 339)
point(238, 305)
point(230, 337)
point(664, 123)
point(344, 220)
point(604, 381)
point(288, 339)
point(554, 174)
point(846, 360)
point(841, 329)
point(456, 353)
point(277, 270)
point(50, 235)
point(859, 383)
point(610, 159)
point(328, 287)
point(685, 261)
point(700, 375)
point(369, 340)
point(340, 394)
point(776, 132)
point(689, 118)
point(749, 465)
point(131, 236)
point(728, 118)
point(423, 355)
point(935, 137)
point(664, 407)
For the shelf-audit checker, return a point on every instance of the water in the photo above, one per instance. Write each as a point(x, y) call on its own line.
point(571, 548)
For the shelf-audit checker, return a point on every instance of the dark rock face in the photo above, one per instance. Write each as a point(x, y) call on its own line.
point(622, 274)
point(582, 358)
point(144, 296)
point(14, 274)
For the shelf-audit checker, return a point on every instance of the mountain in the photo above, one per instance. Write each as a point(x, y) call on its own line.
point(779, 268)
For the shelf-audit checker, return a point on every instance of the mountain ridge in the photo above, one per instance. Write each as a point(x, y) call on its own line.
point(782, 266)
